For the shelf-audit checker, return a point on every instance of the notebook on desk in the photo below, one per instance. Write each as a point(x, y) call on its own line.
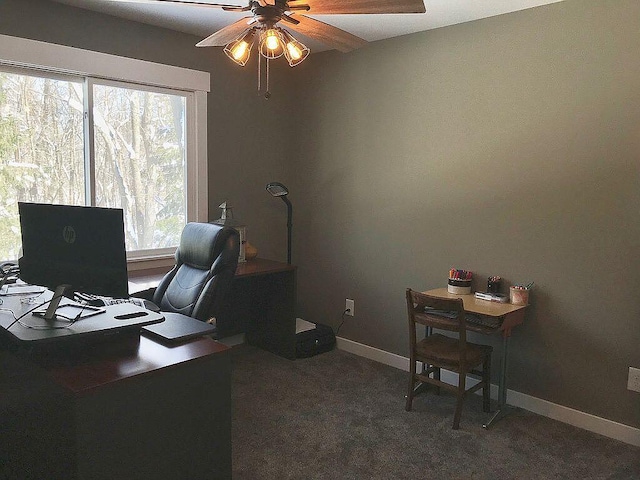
point(177, 328)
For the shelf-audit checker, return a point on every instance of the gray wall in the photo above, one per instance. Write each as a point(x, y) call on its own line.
point(508, 146)
point(247, 138)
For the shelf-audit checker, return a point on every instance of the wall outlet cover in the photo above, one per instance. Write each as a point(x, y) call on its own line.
point(350, 305)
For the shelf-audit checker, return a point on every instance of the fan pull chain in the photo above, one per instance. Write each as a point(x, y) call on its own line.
point(259, 73)
point(267, 94)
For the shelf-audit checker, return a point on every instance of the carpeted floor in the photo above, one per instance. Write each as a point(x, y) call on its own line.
point(340, 416)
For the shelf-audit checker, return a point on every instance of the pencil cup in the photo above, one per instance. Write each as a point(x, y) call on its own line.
point(519, 296)
point(493, 285)
point(459, 287)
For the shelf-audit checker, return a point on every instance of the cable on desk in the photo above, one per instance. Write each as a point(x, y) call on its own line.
point(44, 327)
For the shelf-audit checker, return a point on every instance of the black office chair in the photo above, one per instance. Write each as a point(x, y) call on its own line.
point(206, 262)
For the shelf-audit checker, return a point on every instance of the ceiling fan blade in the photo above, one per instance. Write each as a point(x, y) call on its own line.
point(226, 34)
point(236, 9)
point(327, 34)
point(330, 7)
point(179, 2)
point(290, 19)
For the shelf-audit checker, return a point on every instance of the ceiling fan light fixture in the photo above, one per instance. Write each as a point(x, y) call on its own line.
point(295, 52)
point(271, 43)
point(240, 49)
point(274, 42)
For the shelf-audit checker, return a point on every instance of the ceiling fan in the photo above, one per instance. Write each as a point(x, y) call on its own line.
point(266, 19)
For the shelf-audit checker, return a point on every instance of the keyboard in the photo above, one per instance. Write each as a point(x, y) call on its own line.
point(114, 301)
point(99, 301)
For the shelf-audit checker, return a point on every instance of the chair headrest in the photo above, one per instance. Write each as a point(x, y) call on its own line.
point(201, 244)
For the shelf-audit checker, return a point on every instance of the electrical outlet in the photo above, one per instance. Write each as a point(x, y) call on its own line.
point(633, 383)
point(350, 307)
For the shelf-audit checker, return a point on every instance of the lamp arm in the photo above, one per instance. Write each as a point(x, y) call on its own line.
point(289, 225)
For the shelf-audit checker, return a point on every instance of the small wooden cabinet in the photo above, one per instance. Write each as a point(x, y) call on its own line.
point(262, 304)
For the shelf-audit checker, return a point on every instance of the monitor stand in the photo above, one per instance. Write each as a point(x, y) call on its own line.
point(61, 290)
point(3, 280)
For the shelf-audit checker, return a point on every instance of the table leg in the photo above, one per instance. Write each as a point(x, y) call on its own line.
point(503, 408)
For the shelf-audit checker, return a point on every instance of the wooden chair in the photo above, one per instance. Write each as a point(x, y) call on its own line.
point(438, 351)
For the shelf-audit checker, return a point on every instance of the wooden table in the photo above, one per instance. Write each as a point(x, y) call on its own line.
point(127, 408)
point(512, 315)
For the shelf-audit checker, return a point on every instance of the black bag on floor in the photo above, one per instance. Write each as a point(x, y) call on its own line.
point(317, 340)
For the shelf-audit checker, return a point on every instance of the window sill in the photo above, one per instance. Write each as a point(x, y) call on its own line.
point(143, 266)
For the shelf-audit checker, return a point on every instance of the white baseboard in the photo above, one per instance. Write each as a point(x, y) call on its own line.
point(586, 421)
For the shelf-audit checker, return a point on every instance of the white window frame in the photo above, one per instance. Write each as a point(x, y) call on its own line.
point(33, 54)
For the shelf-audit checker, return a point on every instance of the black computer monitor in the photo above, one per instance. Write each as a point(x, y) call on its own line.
point(82, 247)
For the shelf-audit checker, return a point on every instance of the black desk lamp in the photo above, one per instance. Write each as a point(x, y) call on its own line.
point(279, 190)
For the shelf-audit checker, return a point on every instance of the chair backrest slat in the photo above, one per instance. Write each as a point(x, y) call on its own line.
point(416, 304)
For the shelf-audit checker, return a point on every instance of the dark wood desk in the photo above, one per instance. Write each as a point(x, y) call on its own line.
point(262, 304)
point(130, 409)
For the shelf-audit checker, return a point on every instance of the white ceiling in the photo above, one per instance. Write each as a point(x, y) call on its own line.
point(203, 21)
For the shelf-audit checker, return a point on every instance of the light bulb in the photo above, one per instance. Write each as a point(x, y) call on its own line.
point(239, 50)
point(272, 41)
point(294, 51)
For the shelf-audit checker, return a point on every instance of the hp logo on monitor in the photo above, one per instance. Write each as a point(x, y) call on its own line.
point(69, 234)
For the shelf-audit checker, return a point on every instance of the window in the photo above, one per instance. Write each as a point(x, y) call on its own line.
point(139, 146)
point(89, 139)
point(41, 148)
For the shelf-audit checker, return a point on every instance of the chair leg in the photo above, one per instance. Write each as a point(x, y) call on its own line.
point(462, 379)
point(486, 389)
point(412, 376)
point(436, 375)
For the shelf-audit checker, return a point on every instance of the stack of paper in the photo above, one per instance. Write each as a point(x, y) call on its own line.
point(492, 297)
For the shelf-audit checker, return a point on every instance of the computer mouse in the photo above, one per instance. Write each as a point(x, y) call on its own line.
point(91, 300)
